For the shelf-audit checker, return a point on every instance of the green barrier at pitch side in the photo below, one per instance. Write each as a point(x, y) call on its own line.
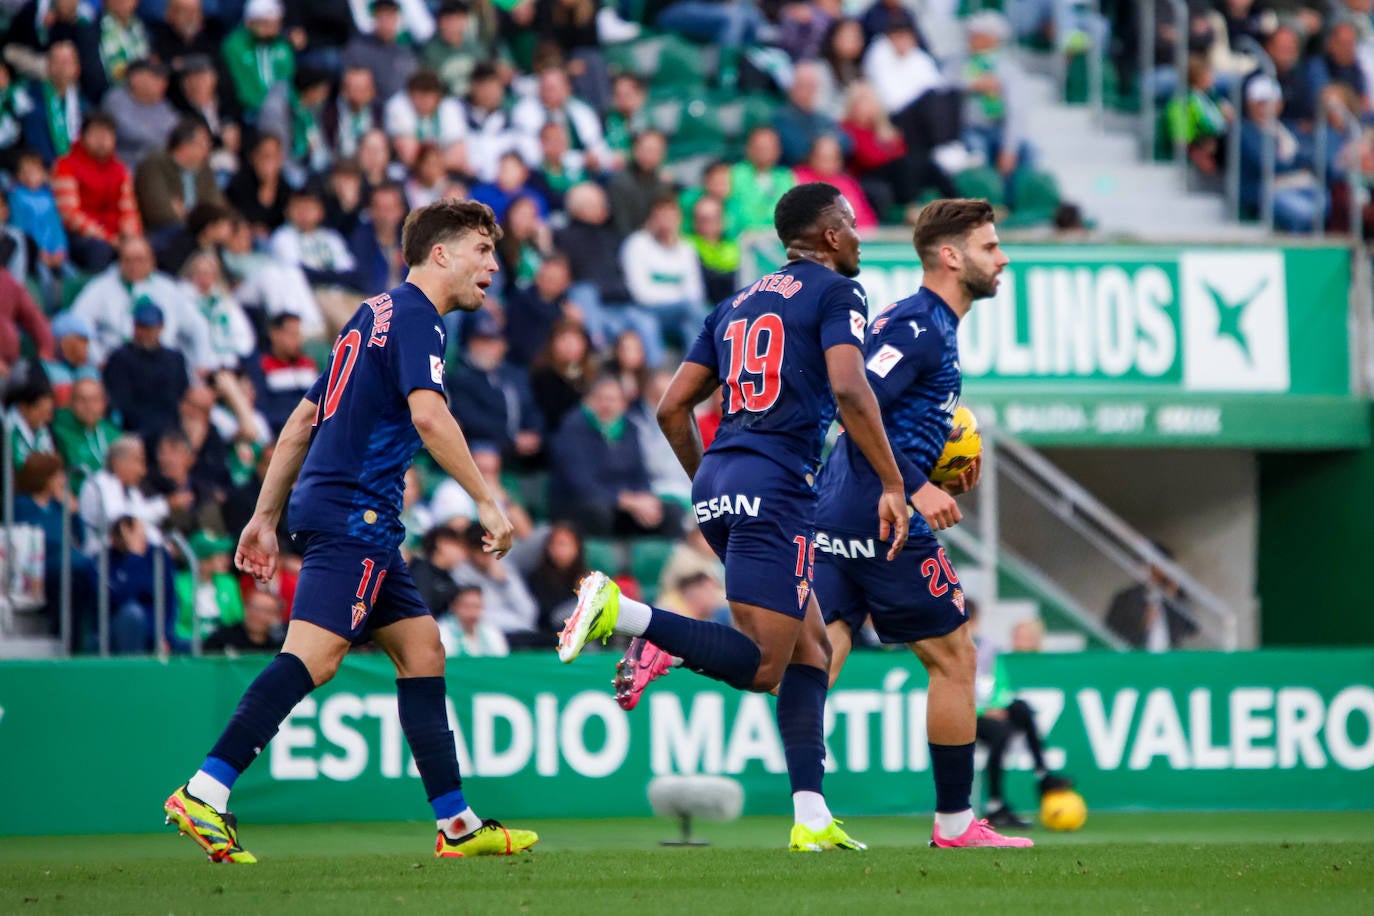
point(1262, 730)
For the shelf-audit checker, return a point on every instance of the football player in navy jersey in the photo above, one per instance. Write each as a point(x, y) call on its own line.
point(785, 351)
point(346, 448)
point(912, 355)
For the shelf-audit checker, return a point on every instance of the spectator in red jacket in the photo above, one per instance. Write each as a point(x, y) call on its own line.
point(95, 195)
point(18, 310)
point(825, 162)
point(889, 173)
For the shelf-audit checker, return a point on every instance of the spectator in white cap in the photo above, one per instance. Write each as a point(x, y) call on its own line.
point(257, 56)
point(994, 102)
point(72, 360)
point(1298, 198)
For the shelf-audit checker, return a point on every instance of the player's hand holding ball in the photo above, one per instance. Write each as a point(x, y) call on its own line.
point(937, 507)
point(498, 527)
point(967, 479)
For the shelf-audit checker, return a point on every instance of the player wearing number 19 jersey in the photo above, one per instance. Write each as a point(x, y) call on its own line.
point(913, 363)
point(346, 448)
point(785, 353)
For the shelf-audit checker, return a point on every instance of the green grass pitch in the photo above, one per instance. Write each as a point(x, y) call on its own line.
point(1159, 863)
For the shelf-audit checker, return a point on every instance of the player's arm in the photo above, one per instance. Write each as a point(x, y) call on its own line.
point(692, 384)
point(449, 447)
point(863, 422)
point(892, 370)
point(257, 550)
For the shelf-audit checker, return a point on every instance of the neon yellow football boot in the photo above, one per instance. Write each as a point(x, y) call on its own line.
point(217, 834)
point(490, 839)
point(598, 606)
point(804, 839)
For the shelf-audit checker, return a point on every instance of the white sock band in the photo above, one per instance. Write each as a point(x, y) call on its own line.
point(952, 826)
point(209, 790)
point(633, 618)
point(810, 809)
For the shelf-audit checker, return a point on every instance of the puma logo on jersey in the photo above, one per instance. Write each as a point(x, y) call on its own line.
point(862, 297)
point(916, 329)
point(729, 504)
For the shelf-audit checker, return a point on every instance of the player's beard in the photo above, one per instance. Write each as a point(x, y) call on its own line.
point(978, 284)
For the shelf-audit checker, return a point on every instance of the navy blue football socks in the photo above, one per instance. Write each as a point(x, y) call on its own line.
point(264, 706)
point(424, 719)
point(952, 765)
point(801, 720)
point(716, 651)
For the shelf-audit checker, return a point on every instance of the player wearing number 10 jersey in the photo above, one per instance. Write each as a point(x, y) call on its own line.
point(346, 447)
point(786, 351)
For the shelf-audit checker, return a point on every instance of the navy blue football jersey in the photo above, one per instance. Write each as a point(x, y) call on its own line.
point(912, 355)
point(767, 346)
point(354, 472)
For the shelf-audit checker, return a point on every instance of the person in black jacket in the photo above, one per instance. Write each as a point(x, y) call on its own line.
point(593, 249)
point(599, 479)
point(146, 380)
point(259, 631)
point(490, 397)
point(433, 573)
point(532, 311)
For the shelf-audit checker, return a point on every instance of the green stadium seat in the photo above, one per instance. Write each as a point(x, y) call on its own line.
point(983, 181)
point(1035, 192)
point(647, 559)
point(605, 554)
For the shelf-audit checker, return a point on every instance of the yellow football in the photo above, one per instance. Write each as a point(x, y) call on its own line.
point(964, 444)
point(1063, 810)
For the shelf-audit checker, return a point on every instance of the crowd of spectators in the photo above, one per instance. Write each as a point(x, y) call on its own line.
point(1322, 57)
point(198, 194)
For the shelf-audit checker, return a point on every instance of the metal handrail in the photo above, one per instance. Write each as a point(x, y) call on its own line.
point(1097, 40)
point(64, 589)
point(1269, 156)
point(175, 537)
point(974, 545)
point(1354, 179)
point(1180, 14)
point(1063, 496)
point(1145, 65)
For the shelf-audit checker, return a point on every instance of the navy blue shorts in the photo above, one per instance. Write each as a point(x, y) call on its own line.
point(916, 596)
point(351, 587)
point(758, 520)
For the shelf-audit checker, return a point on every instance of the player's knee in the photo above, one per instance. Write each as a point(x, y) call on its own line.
point(422, 661)
point(322, 668)
point(769, 676)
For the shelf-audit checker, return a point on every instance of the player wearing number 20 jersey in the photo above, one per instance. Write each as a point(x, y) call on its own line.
point(755, 487)
point(912, 357)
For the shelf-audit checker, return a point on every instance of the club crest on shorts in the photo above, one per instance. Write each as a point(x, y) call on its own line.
point(803, 592)
point(360, 611)
point(958, 598)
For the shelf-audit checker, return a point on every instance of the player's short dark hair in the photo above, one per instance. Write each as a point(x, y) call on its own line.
point(801, 207)
point(944, 220)
point(443, 220)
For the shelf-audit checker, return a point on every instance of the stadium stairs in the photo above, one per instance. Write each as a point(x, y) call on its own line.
point(1098, 166)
